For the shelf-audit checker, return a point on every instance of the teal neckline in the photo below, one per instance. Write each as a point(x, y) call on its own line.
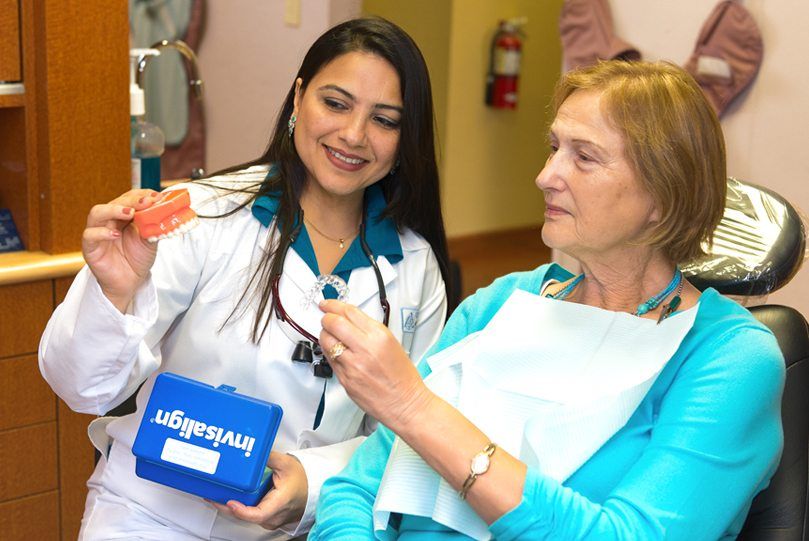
point(381, 235)
point(565, 291)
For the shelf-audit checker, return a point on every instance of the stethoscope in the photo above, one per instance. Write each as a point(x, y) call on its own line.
point(309, 350)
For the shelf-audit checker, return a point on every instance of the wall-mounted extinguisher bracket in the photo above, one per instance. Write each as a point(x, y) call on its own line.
point(504, 65)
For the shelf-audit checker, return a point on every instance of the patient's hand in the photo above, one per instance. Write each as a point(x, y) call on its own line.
point(284, 504)
point(374, 369)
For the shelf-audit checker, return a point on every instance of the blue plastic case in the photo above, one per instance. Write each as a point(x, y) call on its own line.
point(208, 441)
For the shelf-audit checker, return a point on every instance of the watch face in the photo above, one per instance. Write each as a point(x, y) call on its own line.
point(480, 464)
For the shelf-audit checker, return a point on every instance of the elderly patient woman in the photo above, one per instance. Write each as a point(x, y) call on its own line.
point(619, 403)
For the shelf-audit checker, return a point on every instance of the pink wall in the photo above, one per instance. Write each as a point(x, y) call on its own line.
point(248, 58)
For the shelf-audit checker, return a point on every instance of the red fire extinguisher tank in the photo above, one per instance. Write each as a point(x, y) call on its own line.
point(504, 69)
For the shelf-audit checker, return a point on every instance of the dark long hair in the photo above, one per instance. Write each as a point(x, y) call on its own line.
point(412, 191)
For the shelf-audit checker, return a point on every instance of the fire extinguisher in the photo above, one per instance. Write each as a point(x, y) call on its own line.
point(504, 65)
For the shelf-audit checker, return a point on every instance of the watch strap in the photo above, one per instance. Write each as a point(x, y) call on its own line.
point(478, 466)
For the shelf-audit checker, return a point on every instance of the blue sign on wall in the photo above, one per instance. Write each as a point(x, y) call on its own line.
point(9, 238)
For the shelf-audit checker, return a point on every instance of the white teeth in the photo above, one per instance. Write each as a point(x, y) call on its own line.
point(352, 161)
point(180, 230)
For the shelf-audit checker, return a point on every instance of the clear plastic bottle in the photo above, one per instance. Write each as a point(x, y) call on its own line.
point(146, 140)
point(146, 145)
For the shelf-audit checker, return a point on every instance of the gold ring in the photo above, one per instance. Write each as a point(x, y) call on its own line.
point(336, 350)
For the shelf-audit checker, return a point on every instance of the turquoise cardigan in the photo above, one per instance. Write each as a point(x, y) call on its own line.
point(704, 441)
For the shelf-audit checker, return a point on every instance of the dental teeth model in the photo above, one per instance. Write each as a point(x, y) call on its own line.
point(169, 217)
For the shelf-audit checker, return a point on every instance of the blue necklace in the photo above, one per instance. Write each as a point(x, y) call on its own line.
point(644, 307)
point(654, 302)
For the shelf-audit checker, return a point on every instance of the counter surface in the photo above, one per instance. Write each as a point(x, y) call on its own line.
point(19, 267)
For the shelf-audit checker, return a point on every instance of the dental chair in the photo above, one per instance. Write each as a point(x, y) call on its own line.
point(758, 247)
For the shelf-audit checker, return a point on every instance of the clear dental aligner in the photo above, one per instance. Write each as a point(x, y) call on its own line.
point(327, 280)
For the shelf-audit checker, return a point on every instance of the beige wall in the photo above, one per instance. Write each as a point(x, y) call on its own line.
point(489, 158)
point(428, 23)
point(765, 128)
point(492, 156)
point(248, 58)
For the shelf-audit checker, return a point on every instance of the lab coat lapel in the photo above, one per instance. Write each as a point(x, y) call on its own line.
point(297, 272)
point(297, 281)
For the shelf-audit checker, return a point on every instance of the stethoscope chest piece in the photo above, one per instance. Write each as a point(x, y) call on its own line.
point(323, 369)
point(308, 352)
point(303, 352)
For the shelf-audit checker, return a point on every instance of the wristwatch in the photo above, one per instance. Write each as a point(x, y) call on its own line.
point(479, 465)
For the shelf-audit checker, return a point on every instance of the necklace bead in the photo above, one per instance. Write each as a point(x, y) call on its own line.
point(654, 302)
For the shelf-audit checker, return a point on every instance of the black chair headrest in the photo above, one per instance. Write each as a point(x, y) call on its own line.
point(757, 248)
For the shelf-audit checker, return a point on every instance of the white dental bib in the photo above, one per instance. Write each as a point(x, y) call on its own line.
point(548, 381)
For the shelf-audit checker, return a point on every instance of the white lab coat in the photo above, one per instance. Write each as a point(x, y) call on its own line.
point(94, 357)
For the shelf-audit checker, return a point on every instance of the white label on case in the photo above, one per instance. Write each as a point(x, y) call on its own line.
point(190, 455)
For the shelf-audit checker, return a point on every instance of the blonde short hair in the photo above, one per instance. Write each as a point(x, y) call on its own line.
point(672, 138)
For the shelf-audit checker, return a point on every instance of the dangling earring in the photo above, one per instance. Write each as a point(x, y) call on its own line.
point(291, 124)
point(394, 168)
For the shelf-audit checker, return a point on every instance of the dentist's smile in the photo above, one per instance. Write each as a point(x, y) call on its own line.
point(343, 160)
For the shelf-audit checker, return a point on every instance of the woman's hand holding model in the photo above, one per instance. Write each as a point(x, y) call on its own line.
point(378, 375)
point(117, 256)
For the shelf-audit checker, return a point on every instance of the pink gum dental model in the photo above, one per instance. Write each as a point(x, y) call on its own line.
point(170, 216)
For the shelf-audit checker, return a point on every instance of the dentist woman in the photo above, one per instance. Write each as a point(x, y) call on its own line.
point(348, 187)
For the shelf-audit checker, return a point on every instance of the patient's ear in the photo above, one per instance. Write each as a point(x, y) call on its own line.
point(654, 214)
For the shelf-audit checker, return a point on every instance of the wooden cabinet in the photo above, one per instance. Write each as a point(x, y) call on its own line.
point(45, 456)
point(26, 399)
point(32, 517)
point(64, 146)
point(64, 142)
point(24, 310)
point(10, 59)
